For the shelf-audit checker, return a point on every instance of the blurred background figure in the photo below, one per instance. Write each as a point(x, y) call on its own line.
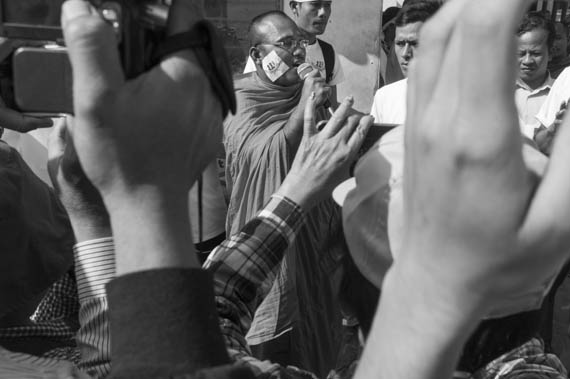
point(560, 59)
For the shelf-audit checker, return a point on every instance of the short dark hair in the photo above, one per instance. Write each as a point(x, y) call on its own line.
point(252, 30)
point(417, 11)
point(538, 20)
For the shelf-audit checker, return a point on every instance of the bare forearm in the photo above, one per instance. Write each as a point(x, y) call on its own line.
point(152, 231)
point(419, 330)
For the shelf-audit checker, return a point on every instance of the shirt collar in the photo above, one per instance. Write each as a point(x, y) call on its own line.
point(548, 82)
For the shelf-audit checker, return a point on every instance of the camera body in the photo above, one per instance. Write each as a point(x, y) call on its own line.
point(35, 73)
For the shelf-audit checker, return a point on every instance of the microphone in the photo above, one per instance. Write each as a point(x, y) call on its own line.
point(303, 71)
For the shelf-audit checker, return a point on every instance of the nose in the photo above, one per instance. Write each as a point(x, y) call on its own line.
point(408, 52)
point(526, 59)
point(299, 52)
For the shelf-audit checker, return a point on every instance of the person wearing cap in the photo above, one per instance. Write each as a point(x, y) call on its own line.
point(389, 105)
point(312, 19)
point(299, 321)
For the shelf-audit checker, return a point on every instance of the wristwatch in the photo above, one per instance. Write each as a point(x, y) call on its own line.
point(204, 40)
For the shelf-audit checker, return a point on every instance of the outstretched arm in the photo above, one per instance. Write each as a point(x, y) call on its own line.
point(142, 143)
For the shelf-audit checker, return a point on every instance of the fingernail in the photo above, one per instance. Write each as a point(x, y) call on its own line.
point(73, 9)
point(313, 95)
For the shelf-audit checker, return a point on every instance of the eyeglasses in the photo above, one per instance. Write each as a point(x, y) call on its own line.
point(288, 45)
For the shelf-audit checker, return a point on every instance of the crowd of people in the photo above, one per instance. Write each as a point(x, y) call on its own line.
point(445, 257)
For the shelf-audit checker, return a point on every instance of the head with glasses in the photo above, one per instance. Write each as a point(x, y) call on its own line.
point(275, 37)
point(311, 17)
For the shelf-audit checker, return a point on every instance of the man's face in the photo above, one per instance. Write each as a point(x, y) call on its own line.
point(283, 37)
point(406, 43)
point(560, 46)
point(313, 16)
point(533, 57)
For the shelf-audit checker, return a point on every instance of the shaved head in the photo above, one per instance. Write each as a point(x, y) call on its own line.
point(267, 24)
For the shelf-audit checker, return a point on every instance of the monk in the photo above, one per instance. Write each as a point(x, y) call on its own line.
point(299, 321)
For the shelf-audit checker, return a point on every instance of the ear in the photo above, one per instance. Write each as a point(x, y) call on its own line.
point(293, 5)
point(255, 54)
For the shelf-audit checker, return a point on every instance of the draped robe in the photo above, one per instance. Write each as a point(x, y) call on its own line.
point(258, 158)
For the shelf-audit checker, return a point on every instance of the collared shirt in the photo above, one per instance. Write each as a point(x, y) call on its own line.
point(82, 298)
point(528, 102)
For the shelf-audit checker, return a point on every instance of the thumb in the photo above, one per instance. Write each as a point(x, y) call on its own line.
point(309, 127)
point(93, 53)
point(57, 139)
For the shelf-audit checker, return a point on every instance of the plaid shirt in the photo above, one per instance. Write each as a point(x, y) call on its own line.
point(528, 361)
point(244, 268)
point(74, 312)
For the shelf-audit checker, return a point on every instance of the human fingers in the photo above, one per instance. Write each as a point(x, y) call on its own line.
point(349, 127)
point(93, 53)
point(357, 138)
point(39, 123)
point(309, 127)
point(481, 22)
point(57, 141)
point(435, 36)
point(494, 132)
point(338, 118)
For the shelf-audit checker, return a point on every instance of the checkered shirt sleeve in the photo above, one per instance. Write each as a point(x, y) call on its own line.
point(244, 268)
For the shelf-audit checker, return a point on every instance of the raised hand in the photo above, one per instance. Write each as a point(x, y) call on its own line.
point(476, 218)
point(156, 131)
point(323, 158)
point(484, 235)
point(142, 142)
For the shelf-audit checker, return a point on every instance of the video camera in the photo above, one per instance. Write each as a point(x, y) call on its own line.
point(35, 73)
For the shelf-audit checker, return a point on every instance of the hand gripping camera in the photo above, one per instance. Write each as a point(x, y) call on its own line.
point(35, 73)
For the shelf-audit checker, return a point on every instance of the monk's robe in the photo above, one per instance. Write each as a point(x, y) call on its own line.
point(301, 308)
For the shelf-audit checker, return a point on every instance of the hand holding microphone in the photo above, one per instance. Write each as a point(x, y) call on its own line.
point(314, 82)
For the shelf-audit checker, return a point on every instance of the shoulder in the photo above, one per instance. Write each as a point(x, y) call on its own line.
point(324, 44)
point(397, 88)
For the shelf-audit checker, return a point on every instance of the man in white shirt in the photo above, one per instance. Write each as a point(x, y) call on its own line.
point(535, 40)
point(389, 104)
